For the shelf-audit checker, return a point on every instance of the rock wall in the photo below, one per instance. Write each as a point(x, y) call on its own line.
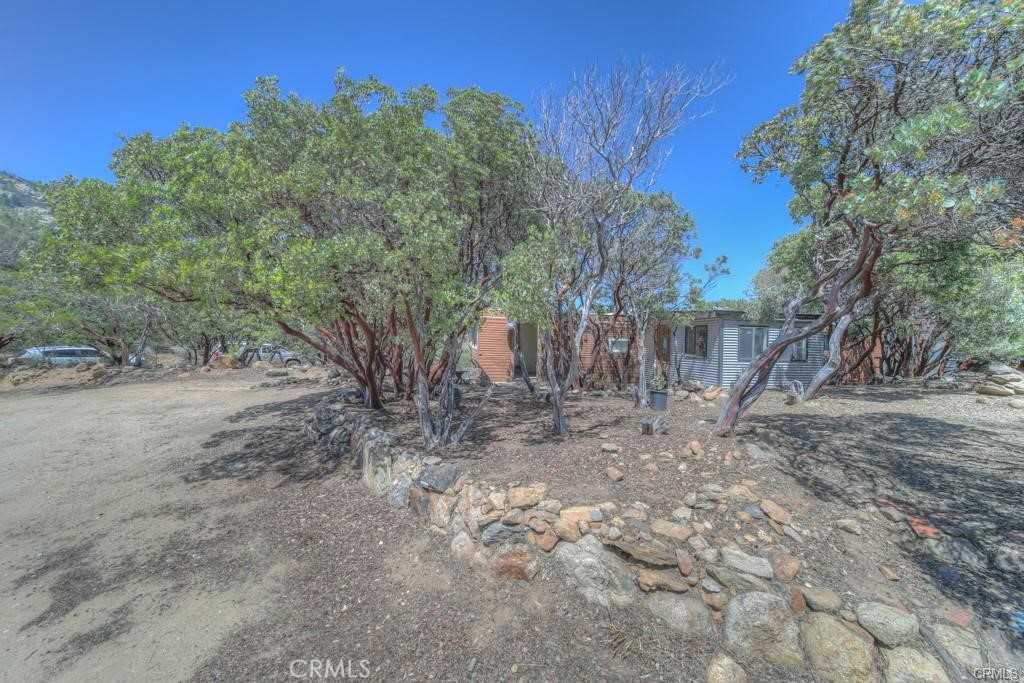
point(616, 555)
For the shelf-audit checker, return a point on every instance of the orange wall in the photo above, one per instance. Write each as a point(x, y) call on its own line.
point(493, 353)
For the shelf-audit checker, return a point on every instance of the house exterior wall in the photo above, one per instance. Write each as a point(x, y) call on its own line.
point(683, 366)
point(784, 371)
point(492, 352)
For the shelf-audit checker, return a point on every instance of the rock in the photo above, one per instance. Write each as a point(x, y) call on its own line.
point(696, 450)
point(225, 363)
point(462, 546)
point(597, 575)
point(99, 373)
point(651, 552)
point(1000, 369)
point(614, 533)
point(437, 478)
point(684, 561)
point(741, 493)
point(724, 670)
point(850, 526)
point(499, 532)
point(785, 566)
point(960, 643)
point(566, 530)
point(550, 505)
point(546, 540)
point(678, 532)
point(748, 564)
point(835, 653)
point(888, 573)
point(983, 400)
point(995, 390)
point(686, 614)
point(614, 473)
point(755, 512)
point(891, 514)
point(517, 563)
point(440, 509)
point(737, 580)
point(888, 625)
point(822, 599)
point(1016, 404)
point(276, 372)
point(610, 448)
point(525, 496)
point(775, 511)
point(513, 517)
point(398, 494)
point(497, 499)
point(907, 665)
point(760, 624)
point(653, 424)
point(658, 580)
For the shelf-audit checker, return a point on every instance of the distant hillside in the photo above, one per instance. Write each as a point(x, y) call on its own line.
point(23, 216)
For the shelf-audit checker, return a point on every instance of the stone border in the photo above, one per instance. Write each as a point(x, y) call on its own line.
point(613, 555)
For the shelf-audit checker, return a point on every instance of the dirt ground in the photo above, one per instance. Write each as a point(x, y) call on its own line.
point(183, 529)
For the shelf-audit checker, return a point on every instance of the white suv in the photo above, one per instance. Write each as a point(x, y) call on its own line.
point(60, 355)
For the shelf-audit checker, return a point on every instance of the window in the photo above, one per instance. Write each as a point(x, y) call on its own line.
point(753, 342)
point(696, 342)
point(618, 345)
point(799, 351)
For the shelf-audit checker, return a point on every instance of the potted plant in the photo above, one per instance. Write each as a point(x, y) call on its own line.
point(659, 392)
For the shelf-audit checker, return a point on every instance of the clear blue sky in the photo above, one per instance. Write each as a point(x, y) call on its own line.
point(74, 75)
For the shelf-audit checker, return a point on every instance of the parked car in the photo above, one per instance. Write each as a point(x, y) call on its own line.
point(270, 353)
point(60, 355)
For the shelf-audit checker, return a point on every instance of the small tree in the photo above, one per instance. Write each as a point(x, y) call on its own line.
point(601, 145)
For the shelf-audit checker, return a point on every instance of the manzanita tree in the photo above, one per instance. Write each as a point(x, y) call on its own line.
point(355, 225)
point(906, 135)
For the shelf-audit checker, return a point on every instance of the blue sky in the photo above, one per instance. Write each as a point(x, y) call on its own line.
point(75, 75)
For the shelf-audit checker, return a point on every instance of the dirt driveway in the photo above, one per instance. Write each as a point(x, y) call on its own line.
point(121, 559)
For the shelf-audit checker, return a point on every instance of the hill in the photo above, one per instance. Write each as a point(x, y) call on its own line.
point(24, 215)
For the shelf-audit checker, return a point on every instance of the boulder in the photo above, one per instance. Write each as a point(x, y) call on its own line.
point(610, 447)
point(761, 625)
point(276, 372)
point(724, 669)
point(836, 653)
point(596, 574)
point(650, 552)
point(1000, 369)
point(398, 494)
point(890, 626)
point(517, 563)
point(995, 390)
point(653, 424)
point(737, 580)
point(748, 564)
point(677, 532)
point(225, 363)
point(775, 511)
point(960, 644)
point(499, 532)
point(785, 566)
point(462, 546)
point(566, 530)
point(686, 614)
point(437, 478)
point(614, 473)
point(525, 496)
point(907, 665)
point(659, 580)
point(850, 526)
point(822, 600)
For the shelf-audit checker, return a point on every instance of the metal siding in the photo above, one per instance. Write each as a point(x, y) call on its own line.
point(689, 367)
point(784, 371)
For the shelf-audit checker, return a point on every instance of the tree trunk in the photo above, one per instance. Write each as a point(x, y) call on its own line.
point(835, 352)
point(561, 425)
point(752, 383)
point(643, 399)
point(521, 362)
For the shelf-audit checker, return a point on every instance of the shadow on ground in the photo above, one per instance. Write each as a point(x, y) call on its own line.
point(277, 445)
point(967, 479)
